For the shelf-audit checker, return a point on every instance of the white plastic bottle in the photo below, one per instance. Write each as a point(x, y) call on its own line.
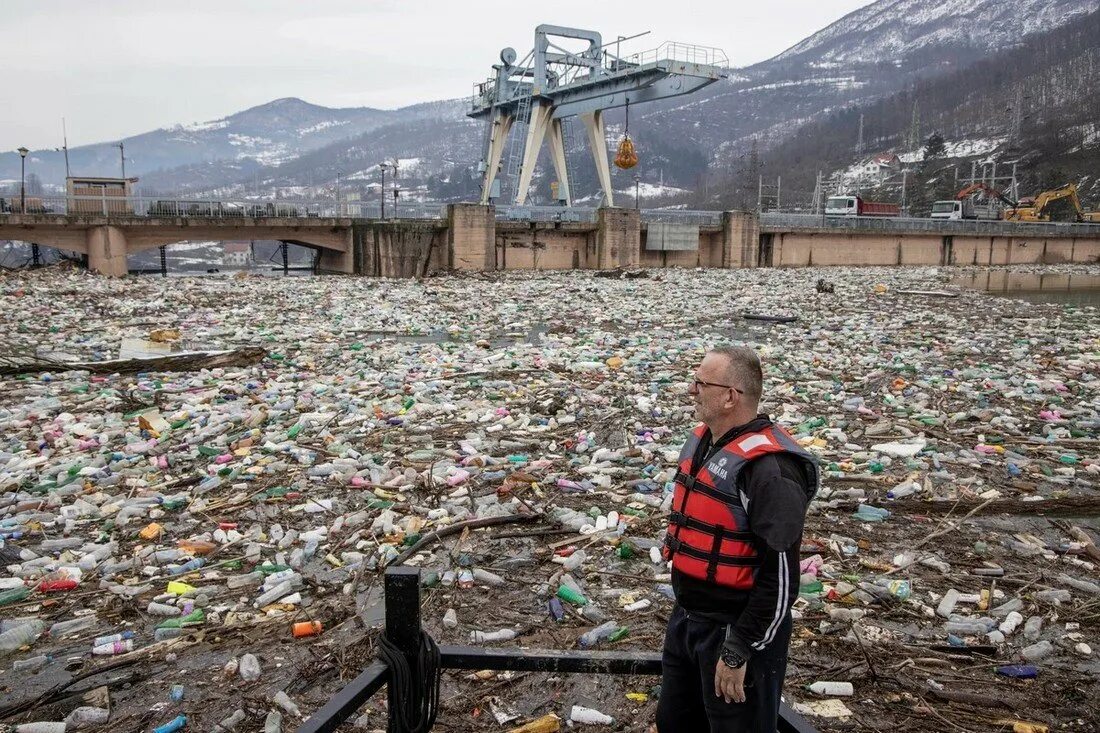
point(20, 636)
point(837, 689)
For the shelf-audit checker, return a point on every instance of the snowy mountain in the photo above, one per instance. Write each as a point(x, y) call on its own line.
point(1035, 107)
point(267, 135)
point(895, 29)
point(687, 142)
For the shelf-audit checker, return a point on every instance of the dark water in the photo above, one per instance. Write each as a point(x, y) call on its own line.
point(1035, 287)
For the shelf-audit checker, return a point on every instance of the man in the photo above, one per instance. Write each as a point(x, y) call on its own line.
point(733, 538)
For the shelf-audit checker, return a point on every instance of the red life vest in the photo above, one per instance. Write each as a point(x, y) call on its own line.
point(708, 533)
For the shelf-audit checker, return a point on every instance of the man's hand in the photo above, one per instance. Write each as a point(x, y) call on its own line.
point(729, 683)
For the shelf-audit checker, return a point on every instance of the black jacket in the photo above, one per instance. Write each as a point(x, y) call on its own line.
point(778, 489)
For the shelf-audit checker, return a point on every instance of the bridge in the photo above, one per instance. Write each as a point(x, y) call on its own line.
point(353, 238)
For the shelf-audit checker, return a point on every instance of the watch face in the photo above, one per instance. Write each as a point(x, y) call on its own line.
point(732, 660)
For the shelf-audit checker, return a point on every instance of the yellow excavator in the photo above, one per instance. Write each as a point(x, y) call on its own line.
point(1059, 204)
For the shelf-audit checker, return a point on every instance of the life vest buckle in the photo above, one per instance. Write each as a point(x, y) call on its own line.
point(686, 479)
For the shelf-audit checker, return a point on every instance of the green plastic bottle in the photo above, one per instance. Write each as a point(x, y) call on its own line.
point(571, 596)
point(14, 595)
point(619, 633)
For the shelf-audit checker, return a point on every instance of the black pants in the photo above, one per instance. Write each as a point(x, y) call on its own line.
point(688, 703)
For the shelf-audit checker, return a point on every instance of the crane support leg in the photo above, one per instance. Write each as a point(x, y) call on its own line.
point(557, 152)
point(499, 128)
point(597, 142)
point(536, 131)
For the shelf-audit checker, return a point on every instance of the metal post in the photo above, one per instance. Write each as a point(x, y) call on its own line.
point(382, 191)
point(164, 261)
point(36, 257)
point(65, 143)
point(778, 190)
point(402, 585)
point(122, 156)
point(284, 247)
point(637, 185)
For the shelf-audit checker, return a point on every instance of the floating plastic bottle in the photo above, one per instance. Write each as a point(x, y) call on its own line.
point(249, 668)
point(20, 636)
point(593, 636)
point(868, 513)
point(835, 689)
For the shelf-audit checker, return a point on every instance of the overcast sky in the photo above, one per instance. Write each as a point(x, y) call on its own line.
point(115, 68)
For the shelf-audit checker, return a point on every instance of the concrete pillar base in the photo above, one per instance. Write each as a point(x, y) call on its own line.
point(107, 251)
point(618, 239)
point(342, 262)
point(471, 237)
point(740, 239)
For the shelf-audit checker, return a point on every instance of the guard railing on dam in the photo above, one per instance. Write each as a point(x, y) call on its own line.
point(780, 222)
point(156, 206)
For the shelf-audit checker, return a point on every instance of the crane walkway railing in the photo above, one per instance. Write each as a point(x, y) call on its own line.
point(404, 630)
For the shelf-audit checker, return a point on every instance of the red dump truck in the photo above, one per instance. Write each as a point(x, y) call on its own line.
point(858, 206)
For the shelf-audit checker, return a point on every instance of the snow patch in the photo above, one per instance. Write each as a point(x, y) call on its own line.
point(204, 126)
point(322, 126)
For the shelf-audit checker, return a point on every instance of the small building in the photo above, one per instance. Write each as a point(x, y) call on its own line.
point(87, 195)
point(237, 254)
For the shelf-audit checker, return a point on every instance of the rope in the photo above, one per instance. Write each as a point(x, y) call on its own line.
point(414, 694)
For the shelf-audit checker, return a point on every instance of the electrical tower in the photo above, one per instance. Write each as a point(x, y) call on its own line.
point(552, 84)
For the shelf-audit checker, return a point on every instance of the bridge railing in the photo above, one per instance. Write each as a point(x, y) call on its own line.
point(155, 206)
point(774, 220)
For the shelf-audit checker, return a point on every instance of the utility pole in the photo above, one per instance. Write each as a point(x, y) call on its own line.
point(65, 147)
point(859, 142)
point(122, 157)
point(382, 191)
point(904, 203)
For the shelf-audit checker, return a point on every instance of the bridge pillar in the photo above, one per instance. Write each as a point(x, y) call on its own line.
point(471, 237)
point(618, 239)
point(740, 239)
point(107, 251)
point(342, 262)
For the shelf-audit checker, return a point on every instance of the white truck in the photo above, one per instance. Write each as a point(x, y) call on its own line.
point(965, 209)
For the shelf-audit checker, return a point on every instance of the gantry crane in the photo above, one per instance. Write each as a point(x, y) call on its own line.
point(552, 84)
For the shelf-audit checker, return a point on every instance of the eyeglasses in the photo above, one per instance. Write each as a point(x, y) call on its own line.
point(698, 384)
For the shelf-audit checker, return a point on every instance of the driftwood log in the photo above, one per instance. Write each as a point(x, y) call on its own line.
point(185, 362)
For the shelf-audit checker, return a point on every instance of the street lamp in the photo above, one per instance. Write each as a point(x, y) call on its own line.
point(22, 179)
point(637, 185)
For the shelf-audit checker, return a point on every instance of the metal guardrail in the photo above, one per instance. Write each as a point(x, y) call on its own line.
point(153, 206)
point(403, 629)
point(683, 216)
point(772, 221)
point(675, 51)
point(547, 213)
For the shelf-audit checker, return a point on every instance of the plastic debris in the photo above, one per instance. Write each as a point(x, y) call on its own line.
point(203, 513)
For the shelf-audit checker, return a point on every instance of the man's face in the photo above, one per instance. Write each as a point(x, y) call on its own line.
point(715, 399)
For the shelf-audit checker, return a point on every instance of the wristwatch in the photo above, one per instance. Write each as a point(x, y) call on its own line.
point(732, 659)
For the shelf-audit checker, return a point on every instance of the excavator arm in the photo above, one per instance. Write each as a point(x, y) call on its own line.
point(1068, 191)
point(975, 187)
